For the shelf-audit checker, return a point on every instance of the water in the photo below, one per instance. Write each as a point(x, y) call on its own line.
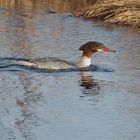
point(36, 105)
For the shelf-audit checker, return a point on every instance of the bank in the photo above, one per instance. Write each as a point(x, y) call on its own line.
point(126, 12)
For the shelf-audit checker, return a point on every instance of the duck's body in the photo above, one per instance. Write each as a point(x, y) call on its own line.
point(52, 63)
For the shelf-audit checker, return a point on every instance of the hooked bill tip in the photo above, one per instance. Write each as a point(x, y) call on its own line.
point(113, 51)
point(109, 50)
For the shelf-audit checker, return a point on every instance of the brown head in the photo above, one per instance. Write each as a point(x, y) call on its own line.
point(91, 47)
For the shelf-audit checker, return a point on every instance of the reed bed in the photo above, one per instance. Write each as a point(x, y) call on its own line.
point(114, 11)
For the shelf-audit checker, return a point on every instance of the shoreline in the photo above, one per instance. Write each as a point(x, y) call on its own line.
point(126, 12)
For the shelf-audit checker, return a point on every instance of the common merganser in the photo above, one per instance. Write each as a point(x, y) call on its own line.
point(50, 63)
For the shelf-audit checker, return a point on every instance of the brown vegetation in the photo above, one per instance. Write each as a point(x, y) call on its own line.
point(114, 11)
point(57, 5)
point(15, 3)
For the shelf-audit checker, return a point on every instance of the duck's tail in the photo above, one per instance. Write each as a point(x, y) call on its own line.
point(10, 61)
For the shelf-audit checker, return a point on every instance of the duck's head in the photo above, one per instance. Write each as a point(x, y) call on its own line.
point(91, 47)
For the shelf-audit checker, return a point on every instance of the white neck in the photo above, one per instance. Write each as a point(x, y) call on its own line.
point(84, 62)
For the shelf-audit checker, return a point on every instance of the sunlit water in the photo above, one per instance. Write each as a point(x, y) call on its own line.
point(103, 104)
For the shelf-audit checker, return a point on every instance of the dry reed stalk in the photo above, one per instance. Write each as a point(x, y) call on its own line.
point(114, 11)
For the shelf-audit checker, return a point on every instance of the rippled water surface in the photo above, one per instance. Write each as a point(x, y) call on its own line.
point(103, 104)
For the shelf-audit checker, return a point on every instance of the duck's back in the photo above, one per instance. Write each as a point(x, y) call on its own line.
point(50, 63)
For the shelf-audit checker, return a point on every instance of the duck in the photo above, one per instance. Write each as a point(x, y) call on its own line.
point(52, 63)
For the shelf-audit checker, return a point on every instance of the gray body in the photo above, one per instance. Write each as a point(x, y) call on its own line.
point(46, 63)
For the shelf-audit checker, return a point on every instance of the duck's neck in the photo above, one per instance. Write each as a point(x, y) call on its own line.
point(84, 62)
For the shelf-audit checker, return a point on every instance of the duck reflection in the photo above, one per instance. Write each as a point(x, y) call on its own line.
point(90, 85)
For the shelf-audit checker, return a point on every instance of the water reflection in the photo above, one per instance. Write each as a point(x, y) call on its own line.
point(61, 5)
point(18, 31)
point(91, 86)
point(30, 98)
